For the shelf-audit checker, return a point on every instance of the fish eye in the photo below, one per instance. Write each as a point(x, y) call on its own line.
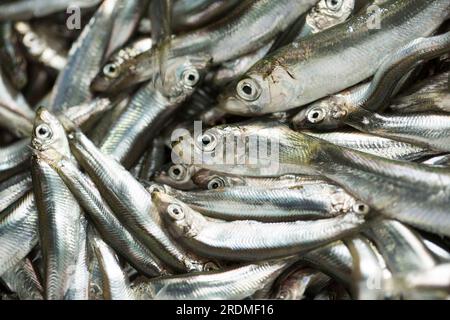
point(190, 77)
point(316, 115)
point(155, 188)
point(284, 295)
point(175, 211)
point(43, 132)
point(210, 266)
point(248, 89)
point(177, 172)
point(111, 70)
point(216, 183)
point(207, 142)
point(334, 4)
point(361, 208)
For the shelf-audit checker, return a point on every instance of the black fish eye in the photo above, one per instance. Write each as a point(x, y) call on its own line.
point(43, 131)
point(334, 4)
point(111, 70)
point(316, 115)
point(177, 172)
point(207, 142)
point(248, 89)
point(175, 211)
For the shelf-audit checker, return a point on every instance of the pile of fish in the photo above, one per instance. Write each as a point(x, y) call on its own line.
point(224, 149)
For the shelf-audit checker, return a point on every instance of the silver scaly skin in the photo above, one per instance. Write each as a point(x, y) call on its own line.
point(369, 269)
point(345, 55)
point(26, 9)
point(85, 57)
point(14, 158)
point(23, 280)
point(13, 189)
point(105, 222)
point(333, 259)
point(431, 95)
point(18, 225)
point(378, 146)
point(403, 250)
point(116, 285)
point(431, 131)
point(332, 111)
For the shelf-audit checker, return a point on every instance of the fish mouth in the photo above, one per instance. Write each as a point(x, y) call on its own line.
point(100, 85)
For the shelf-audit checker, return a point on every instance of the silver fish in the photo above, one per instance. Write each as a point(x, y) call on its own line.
point(250, 240)
point(307, 202)
point(59, 212)
point(237, 283)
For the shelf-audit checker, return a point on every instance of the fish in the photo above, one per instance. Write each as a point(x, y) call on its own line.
point(426, 130)
point(14, 158)
point(58, 211)
point(248, 240)
point(212, 180)
point(191, 15)
point(293, 75)
point(308, 202)
point(127, 20)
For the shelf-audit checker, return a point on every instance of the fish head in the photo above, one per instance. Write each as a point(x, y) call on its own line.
point(261, 91)
point(324, 114)
point(176, 175)
point(246, 96)
point(250, 148)
point(117, 74)
point(183, 74)
point(179, 216)
point(207, 179)
point(328, 13)
point(49, 134)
